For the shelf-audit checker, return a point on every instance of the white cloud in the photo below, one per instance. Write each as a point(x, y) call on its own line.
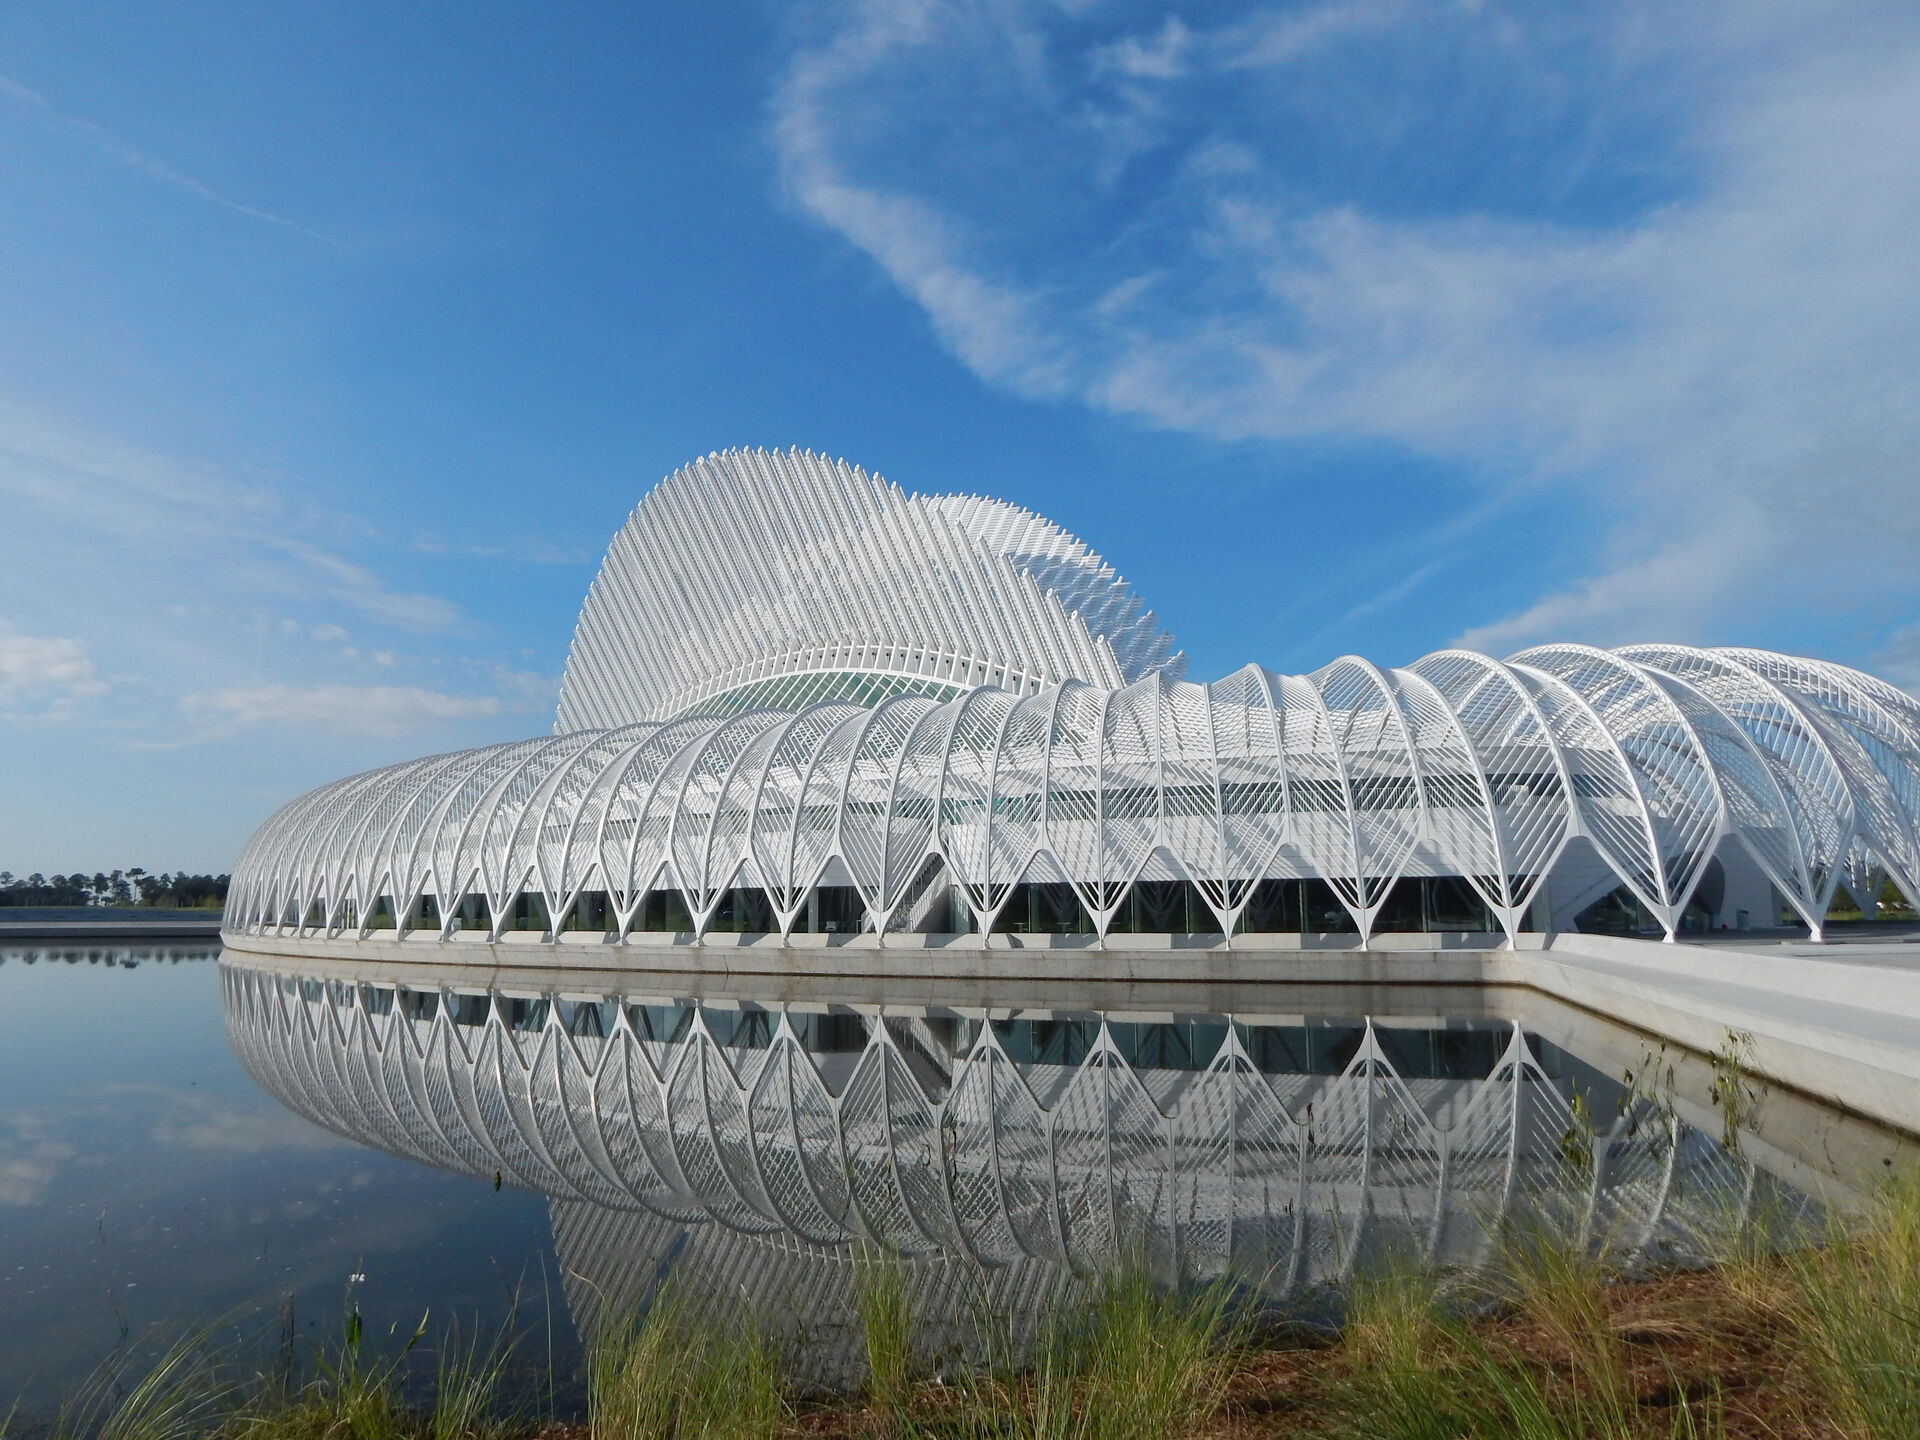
point(1717, 350)
point(1395, 592)
point(28, 1164)
point(43, 676)
point(1164, 57)
point(185, 581)
point(337, 709)
point(526, 550)
point(1286, 37)
point(200, 1122)
point(142, 507)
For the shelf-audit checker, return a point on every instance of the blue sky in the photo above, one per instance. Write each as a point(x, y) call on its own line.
point(335, 341)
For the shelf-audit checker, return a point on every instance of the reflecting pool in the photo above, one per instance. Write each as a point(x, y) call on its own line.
point(146, 1180)
point(771, 1149)
point(188, 1138)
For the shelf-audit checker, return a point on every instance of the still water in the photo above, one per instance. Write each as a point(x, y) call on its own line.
point(186, 1140)
point(146, 1179)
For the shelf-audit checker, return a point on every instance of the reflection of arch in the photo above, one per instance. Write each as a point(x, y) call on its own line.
point(1064, 1144)
point(613, 1262)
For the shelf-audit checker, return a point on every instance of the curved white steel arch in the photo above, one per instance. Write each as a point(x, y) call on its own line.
point(1350, 777)
point(1003, 710)
point(746, 566)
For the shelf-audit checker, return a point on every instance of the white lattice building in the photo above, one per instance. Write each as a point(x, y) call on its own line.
point(799, 698)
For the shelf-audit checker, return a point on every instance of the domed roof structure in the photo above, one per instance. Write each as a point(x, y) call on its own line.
point(753, 578)
point(794, 684)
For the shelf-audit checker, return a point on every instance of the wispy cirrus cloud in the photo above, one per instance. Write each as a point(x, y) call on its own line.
point(214, 606)
point(381, 710)
point(136, 502)
point(1656, 261)
point(104, 143)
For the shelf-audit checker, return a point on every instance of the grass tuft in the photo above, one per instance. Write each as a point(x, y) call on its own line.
point(675, 1373)
point(1403, 1375)
point(1138, 1362)
point(1147, 1363)
point(354, 1394)
point(1130, 1361)
point(886, 1321)
point(1858, 1306)
point(180, 1396)
point(1556, 1281)
point(467, 1390)
point(1554, 1345)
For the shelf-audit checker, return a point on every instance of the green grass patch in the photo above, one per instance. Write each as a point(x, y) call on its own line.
point(1856, 1302)
point(681, 1372)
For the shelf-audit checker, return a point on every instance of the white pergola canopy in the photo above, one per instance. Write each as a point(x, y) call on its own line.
point(788, 669)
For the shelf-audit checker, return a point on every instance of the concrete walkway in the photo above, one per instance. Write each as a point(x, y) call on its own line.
point(1838, 1022)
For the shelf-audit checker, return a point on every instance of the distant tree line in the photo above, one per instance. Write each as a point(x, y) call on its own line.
point(166, 891)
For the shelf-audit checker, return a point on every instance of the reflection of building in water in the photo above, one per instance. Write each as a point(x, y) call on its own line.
point(747, 1148)
point(800, 699)
point(807, 1296)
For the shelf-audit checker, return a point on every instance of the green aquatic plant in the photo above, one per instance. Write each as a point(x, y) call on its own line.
point(1577, 1141)
point(363, 1386)
point(1649, 1101)
point(180, 1394)
point(1736, 1095)
point(354, 1393)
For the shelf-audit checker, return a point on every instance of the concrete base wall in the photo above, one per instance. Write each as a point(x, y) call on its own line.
point(1749, 901)
point(1577, 879)
point(1841, 1031)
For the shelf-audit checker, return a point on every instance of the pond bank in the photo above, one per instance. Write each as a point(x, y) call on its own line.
point(105, 922)
point(1550, 1343)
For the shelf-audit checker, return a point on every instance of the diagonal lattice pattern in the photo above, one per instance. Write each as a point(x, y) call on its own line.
point(1456, 765)
point(791, 674)
point(1075, 1157)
